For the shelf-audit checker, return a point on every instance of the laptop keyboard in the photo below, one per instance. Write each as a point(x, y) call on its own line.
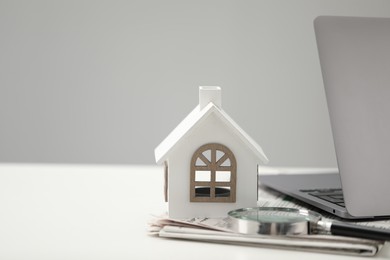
point(334, 196)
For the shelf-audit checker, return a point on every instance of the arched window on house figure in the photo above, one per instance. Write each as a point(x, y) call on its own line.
point(213, 174)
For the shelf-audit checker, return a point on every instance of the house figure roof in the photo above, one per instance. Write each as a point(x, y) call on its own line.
point(209, 103)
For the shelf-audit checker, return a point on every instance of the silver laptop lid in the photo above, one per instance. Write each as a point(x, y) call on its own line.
point(355, 62)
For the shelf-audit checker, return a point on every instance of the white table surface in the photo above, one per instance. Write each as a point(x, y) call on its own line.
point(101, 212)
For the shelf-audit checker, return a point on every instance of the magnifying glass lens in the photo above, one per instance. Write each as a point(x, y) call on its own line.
point(272, 220)
point(281, 217)
point(278, 215)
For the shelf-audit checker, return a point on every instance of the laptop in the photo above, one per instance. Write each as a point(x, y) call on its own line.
point(354, 55)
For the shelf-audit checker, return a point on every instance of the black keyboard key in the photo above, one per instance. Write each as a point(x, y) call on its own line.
point(330, 192)
point(330, 199)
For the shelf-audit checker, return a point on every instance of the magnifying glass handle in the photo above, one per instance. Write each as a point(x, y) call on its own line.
point(351, 230)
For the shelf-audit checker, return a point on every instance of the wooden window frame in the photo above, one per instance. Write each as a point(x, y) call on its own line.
point(213, 166)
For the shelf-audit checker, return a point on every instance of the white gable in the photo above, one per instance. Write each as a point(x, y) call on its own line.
point(194, 119)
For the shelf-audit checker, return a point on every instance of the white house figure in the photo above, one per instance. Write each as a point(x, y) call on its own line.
point(210, 162)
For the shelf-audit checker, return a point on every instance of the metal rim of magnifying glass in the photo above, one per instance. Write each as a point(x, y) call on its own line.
point(302, 225)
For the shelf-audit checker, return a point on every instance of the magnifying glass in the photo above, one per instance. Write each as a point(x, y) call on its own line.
point(291, 221)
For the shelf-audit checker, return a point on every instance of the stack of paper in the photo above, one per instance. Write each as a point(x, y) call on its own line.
point(216, 231)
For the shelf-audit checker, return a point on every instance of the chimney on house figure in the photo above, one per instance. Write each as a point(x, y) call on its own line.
point(209, 94)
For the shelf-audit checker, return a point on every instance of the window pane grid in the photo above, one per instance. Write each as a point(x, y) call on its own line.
point(221, 187)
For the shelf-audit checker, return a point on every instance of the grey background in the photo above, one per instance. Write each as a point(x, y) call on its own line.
point(106, 81)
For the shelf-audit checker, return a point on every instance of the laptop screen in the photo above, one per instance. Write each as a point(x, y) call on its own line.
point(354, 55)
